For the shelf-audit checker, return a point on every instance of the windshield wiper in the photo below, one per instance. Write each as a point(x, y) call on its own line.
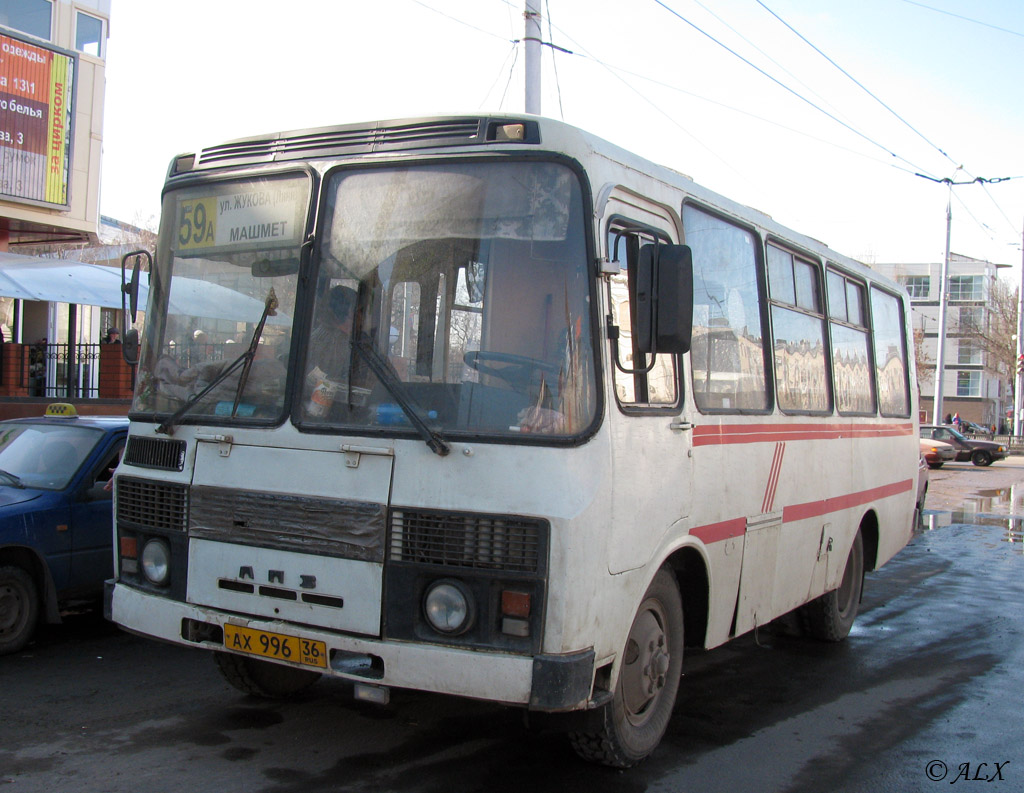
point(380, 366)
point(244, 360)
point(13, 478)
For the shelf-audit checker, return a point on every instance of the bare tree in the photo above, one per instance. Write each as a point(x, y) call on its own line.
point(925, 364)
point(992, 329)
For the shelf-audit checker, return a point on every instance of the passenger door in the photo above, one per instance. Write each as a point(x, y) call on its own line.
point(651, 439)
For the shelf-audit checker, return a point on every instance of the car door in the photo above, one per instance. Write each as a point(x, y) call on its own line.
point(92, 519)
point(942, 434)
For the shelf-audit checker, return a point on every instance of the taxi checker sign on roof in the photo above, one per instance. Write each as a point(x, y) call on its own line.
point(36, 87)
point(265, 216)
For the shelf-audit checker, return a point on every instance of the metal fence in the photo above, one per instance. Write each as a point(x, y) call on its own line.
point(57, 370)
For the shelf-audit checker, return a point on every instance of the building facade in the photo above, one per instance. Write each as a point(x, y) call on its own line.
point(52, 83)
point(973, 383)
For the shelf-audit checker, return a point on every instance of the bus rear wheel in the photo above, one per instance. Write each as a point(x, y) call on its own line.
point(830, 617)
point(634, 722)
point(262, 678)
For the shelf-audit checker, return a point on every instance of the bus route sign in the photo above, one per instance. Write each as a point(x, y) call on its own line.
point(36, 103)
point(267, 216)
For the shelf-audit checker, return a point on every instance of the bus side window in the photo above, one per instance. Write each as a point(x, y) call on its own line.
point(798, 332)
point(851, 358)
point(727, 354)
point(890, 354)
point(657, 387)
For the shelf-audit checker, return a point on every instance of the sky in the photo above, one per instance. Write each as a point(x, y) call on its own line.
point(840, 119)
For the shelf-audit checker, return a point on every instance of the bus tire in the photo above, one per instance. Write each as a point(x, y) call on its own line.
point(19, 608)
point(633, 723)
point(830, 617)
point(262, 678)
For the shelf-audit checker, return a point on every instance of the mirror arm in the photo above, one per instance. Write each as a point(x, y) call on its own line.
point(613, 337)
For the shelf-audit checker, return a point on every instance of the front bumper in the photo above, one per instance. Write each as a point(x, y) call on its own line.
point(542, 682)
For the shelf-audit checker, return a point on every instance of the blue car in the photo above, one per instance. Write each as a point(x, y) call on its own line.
point(55, 515)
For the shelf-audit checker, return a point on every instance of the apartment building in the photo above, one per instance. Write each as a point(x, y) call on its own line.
point(972, 383)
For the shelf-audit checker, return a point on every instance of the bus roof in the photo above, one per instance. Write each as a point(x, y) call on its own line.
point(475, 132)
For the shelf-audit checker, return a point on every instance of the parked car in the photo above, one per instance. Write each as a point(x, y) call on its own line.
point(970, 428)
point(977, 451)
point(55, 515)
point(935, 453)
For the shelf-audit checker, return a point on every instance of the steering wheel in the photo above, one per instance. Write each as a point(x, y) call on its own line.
point(517, 371)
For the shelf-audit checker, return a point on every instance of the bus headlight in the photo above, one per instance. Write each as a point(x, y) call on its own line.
point(448, 607)
point(156, 562)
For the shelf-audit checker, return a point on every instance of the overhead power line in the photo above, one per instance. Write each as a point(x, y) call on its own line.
point(785, 87)
point(965, 19)
point(857, 82)
point(460, 21)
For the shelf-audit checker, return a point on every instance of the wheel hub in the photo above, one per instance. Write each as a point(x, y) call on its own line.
point(646, 664)
point(9, 609)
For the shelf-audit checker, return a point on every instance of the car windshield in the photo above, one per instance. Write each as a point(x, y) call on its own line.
point(459, 292)
point(222, 298)
point(44, 456)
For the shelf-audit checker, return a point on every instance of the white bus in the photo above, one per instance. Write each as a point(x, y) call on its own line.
point(490, 407)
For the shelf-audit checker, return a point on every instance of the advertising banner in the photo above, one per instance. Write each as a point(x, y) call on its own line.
point(36, 92)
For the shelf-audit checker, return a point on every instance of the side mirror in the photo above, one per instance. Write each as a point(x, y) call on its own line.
point(130, 346)
point(130, 295)
point(664, 299)
point(98, 492)
point(130, 289)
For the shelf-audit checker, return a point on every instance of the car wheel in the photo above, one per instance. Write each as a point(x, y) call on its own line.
point(645, 693)
point(262, 678)
point(935, 465)
point(830, 617)
point(981, 457)
point(19, 608)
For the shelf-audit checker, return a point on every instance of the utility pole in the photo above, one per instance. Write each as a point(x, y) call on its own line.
point(1018, 375)
point(940, 361)
point(940, 355)
point(533, 44)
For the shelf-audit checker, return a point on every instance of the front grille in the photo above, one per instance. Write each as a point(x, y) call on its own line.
point(165, 454)
point(490, 542)
point(323, 526)
point(152, 505)
point(345, 140)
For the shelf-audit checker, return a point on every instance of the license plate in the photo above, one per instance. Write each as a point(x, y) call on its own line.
point(277, 646)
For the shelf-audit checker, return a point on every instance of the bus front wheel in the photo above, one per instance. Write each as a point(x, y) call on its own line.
point(634, 722)
point(830, 617)
point(262, 678)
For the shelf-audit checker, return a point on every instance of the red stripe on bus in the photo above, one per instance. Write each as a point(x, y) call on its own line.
point(813, 509)
point(716, 532)
point(771, 433)
point(773, 478)
point(736, 527)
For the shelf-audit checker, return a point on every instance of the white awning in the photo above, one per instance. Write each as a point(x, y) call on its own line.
point(59, 281)
point(62, 281)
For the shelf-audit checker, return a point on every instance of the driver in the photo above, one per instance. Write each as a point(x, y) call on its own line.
point(330, 351)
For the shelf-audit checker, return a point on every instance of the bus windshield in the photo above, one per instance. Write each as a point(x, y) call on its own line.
point(441, 299)
point(228, 254)
point(456, 291)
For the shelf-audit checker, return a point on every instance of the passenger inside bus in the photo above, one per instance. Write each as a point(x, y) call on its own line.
point(330, 355)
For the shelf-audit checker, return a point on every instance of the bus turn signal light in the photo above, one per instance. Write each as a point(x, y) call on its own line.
point(515, 613)
point(515, 604)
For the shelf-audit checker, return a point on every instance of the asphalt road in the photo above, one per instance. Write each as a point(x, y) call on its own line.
point(925, 692)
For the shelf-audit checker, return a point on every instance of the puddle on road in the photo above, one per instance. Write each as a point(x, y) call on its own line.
point(977, 510)
point(1012, 524)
